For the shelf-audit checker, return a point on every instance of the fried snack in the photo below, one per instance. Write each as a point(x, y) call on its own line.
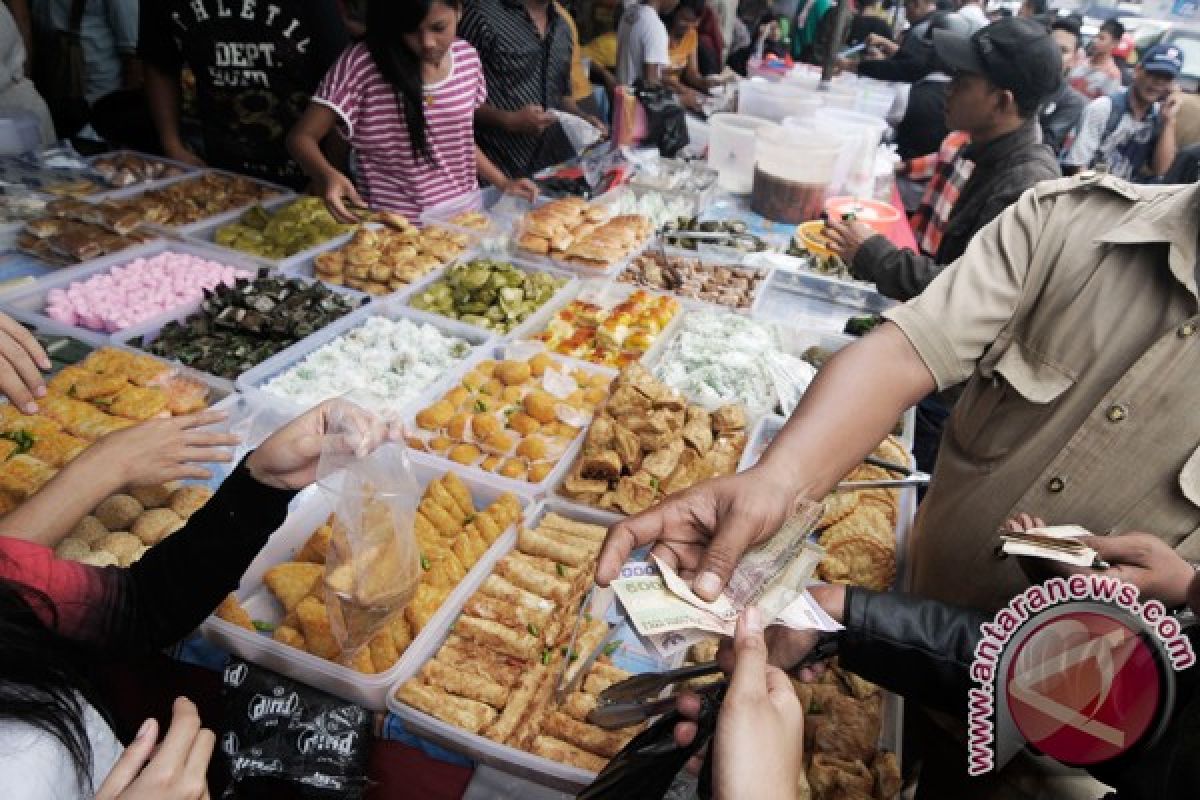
point(424, 605)
point(462, 712)
point(382, 649)
point(500, 587)
point(71, 549)
point(473, 687)
point(187, 500)
point(118, 512)
point(828, 775)
point(601, 677)
point(154, 496)
point(291, 637)
point(291, 582)
point(564, 753)
point(123, 545)
point(155, 525)
point(316, 547)
point(470, 658)
point(849, 729)
point(231, 611)
point(885, 769)
point(539, 623)
point(533, 580)
point(314, 623)
point(56, 448)
point(517, 643)
point(584, 736)
point(100, 558)
point(578, 705)
point(89, 530)
point(537, 543)
point(359, 661)
point(582, 530)
point(137, 403)
point(519, 704)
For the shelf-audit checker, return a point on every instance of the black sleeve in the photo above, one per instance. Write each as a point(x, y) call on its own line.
point(177, 583)
point(156, 44)
point(913, 61)
point(897, 273)
point(331, 37)
point(917, 648)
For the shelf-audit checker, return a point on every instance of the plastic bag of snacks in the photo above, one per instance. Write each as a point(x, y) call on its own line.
point(374, 563)
point(279, 731)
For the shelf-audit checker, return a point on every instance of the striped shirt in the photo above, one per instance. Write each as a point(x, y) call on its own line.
point(522, 68)
point(370, 114)
point(947, 172)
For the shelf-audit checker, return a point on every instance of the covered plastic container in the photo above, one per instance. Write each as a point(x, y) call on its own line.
point(731, 147)
point(776, 100)
point(863, 134)
point(793, 172)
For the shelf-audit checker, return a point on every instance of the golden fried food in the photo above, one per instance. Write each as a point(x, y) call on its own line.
point(89, 529)
point(314, 623)
point(232, 611)
point(125, 546)
point(154, 496)
point(119, 512)
point(156, 524)
point(471, 715)
point(564, 753)
point(187, 500)
point(292, 581)
point(316, 547)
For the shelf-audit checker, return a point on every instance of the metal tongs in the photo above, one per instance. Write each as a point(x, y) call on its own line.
point(911, 477)
point(635, 700)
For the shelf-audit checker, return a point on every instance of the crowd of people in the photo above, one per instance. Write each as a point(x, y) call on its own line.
point(1046, 332)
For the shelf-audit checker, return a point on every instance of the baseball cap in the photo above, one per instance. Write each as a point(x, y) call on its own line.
point(1017, 54)
point(1165, 59)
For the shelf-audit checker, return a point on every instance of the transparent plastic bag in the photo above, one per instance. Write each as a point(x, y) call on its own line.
point(374, 563)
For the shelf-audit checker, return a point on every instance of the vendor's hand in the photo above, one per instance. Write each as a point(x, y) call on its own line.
point(1171, 106)
point(846, 237)
point(336, 189)
point(288, 458)
point(786, 647)
point(183, 153)
point(704, 530)
point(176, 770)
point(521, 187)
point(532, 120)
point(881, 43)
point(758, 748)
point(160, 450)
point(1142, 559)
point(22, 362)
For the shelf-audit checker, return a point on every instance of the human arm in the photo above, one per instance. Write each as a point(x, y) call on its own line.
point(898, 273)
point(530, 120)
point(521, 187)
point(571, 107)
point(162, 96)
point(156, 451)
point(304, 143)
point(1167, 147)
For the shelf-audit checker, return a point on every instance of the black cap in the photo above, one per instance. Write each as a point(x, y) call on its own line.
point(1017, 54)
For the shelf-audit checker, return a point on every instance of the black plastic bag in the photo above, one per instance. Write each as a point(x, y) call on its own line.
point(646, 767)
point(666, 120)
point(285, 739)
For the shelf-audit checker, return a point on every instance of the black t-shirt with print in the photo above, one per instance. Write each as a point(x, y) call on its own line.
point(256, 64)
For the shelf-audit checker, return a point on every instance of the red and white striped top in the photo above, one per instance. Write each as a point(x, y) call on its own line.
point(371, 116)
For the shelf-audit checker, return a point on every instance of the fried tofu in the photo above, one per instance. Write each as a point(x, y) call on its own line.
point(292, 581)
point(290, 636)
point(316, 548)
point(424, 605)
point(231, 611)
point(314, 622)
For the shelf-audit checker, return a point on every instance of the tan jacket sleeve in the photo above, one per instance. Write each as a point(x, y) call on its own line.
point(971, 303)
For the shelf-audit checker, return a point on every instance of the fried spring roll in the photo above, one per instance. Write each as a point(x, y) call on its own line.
point(564, 753)
point(461, 712)
point(534, 580)
point(578, 705)
point(536, 543)
point(464, 684)
point(518, 704)
point(537, 622)
point(497, 586)
point(584, 736)
point(580, 530)
point(473, 659)
point(516, 643)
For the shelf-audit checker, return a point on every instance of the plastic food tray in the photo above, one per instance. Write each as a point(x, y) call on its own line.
point(149, 330)
point(485, 200)
point(309, 512)
point(522, 330)
point(550, 262)
point(304, 264)
point(760, 295)
point(479, 748)
point(609, 293)
point(856, 296)
point(282, 193)
point(28, 304)
point(534, 489)
point(206, 233)
point(252, 381)
point(188, 172)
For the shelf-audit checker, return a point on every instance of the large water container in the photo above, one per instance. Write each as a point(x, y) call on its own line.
point(731, 146)
point(793, 173)
point(775, 101)
point(866, 133)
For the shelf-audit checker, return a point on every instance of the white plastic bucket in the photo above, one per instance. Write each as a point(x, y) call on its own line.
point(774, 101)
point(731, 148)
point(866, 134)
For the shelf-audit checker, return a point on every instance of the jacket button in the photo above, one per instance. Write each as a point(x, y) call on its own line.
point(1187, 329)
point(1056, 485)
point(1117, 413)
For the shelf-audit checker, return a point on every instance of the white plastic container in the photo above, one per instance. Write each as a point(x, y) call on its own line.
point(794, 172)
point(20, 132)
point(253, 381)
point(309, 512)
point(731, 149)
point(776, 100)
point(29, 304)
point(537, 769)
point(864, 132)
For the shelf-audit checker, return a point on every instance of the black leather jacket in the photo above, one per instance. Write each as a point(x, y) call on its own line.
point(922, 650)
point(1004, 169)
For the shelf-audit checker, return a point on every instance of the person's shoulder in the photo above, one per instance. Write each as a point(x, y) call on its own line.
point(1092, 184)
point(466, 55)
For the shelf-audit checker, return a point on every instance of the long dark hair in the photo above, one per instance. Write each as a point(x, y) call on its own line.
point(42, 678)
point(387, 20)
